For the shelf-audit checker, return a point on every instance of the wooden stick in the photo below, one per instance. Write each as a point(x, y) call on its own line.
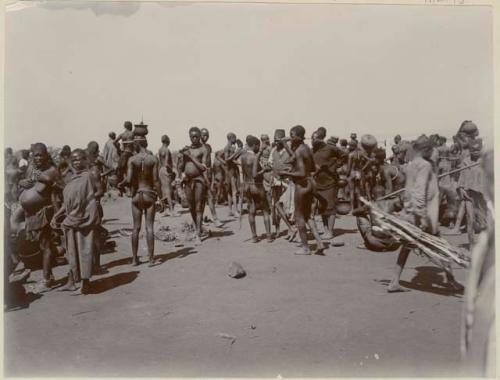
point(439, 177)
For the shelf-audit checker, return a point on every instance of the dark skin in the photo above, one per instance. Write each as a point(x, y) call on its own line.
point(331, 167)
point(79, 164)
point(43, 182)
point(219, 173)
point(165, 161)
point(301, 175)
point(423, 224)
point(192, 166)
point(127, 136)
point(205, 135)
point(230, 155)
point(142, 176)
point(278, 206)
point(256, 194)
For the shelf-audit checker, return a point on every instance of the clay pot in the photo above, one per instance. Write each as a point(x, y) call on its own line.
point(113, 180)
point(343, 207)
point(31, 200)
point(141, 129)
point(341, 183)
point(368, 142)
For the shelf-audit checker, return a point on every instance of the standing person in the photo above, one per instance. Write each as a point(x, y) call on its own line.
point(192, 166)
point(253, 186)
point(231, 153)
point(218, 175)
point(421, 206)
point(354, 166)
point(110, 152)
point(470, 186)
point(265, 144)
point(211, 198)
point(142, 177)
point(328, 158)
point(282, 189)
point(24, 162)
point(81, 219)
point(354, 139)
point(167, 175)
point(301, 175)
point(127, 150)
point(343, 146)
point(36, 202)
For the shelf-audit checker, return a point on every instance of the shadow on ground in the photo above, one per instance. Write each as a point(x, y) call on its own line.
point(104, 284)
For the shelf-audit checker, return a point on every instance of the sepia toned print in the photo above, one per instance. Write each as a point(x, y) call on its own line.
point(248, 190)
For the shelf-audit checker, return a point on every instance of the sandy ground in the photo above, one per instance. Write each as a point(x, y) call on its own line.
point(294, 316)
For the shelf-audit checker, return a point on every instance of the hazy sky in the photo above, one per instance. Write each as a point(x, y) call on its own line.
point(76, 71)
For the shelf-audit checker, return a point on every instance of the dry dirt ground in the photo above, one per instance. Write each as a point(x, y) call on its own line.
point(294, 316)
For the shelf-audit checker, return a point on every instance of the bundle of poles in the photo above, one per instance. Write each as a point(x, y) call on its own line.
point(437, 249)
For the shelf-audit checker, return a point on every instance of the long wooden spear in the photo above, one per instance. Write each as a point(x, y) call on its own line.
point(439, 177)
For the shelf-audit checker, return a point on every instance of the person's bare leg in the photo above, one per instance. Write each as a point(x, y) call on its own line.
point(190, 197)
point(301, 226)
point(199, 199)
point(460, 217)
point(137, 219)
point(150, 239)
point(169, 197)
point(314, 229)
point(46, 250)
point(229, 191)
point(234, 189)
point(402, 258)
point(281, 214)
point(469, 211)
point(328, 233)
point(267, 224)
point(251, 220)
point(70, 284)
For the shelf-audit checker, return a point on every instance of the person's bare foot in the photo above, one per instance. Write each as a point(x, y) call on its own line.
point(217, 223)
point(151, 263)
point(69, 287)
point(327, 236)
point(303, 251)
point(291, 235)
point(395, 288)
point(255, 239)
point(197, 241)
point(136, 262)
point(43, 286)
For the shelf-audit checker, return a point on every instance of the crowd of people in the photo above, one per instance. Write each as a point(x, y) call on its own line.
point(54, 201)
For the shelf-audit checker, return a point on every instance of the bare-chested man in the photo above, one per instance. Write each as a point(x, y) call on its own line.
point(328, 158)
point(211, 199)
point(166, 174)
point(127, 151)
point(304, 188)
point(192, 165)
point(218, 175)
point(142, 177)
point(253, 186)
point(282, 189)
point(354, 166)
point(231, 153)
